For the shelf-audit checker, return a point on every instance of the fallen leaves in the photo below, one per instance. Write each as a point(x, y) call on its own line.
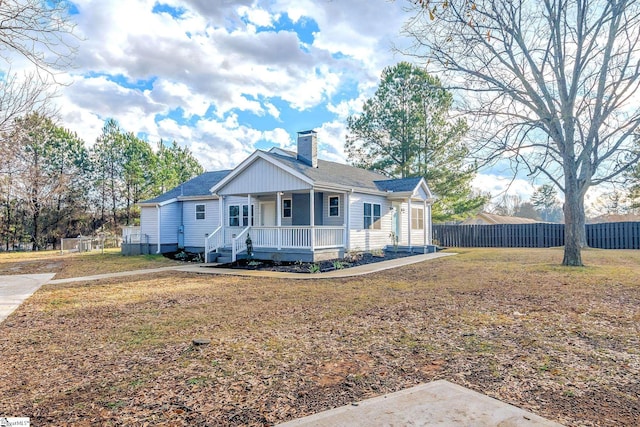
point(120, 351)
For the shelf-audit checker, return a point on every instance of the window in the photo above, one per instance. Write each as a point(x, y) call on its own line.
point(372, 216)
point(417, 218)
point(200, 211)
point(245, 215)
point(234, 216)
point(334, 206)
point(286, 208)
point(235, 220)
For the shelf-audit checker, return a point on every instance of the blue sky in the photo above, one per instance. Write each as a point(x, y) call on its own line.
point(227, 77)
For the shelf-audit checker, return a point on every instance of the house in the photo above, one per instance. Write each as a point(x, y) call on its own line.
point(292, 206)
point(485, 218)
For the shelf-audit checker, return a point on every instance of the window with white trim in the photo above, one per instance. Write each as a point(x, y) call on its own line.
point(286, 208)
point(417, 218)
point(240, 217)
point(234, 215)
point(372, 216)
point(245, 215)
point(200, 211)
point(334, 206)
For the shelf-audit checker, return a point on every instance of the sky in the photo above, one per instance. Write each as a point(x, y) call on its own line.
point(227, 77)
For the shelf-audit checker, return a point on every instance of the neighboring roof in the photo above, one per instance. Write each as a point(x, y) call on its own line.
point(198, 186)
point(398, 185)
point(614, 218)
point(487, 218)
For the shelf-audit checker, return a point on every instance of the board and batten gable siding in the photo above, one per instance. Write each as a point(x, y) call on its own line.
point(333, 221)
point(366, 240)
point(263, 177)
point(149, 222)
point(196, 229)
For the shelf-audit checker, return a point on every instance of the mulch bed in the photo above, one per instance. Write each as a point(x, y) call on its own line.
point(351, 260)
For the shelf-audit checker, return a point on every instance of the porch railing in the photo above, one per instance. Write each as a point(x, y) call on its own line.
point(288, 237)
point(238, 244)
point(213, 242)
point(293, 237)
point(328, 237)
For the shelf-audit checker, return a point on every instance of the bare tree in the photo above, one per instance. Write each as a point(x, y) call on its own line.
point(552, 84)
point(40, 33)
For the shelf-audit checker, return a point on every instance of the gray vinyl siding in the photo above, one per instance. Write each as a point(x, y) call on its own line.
point(366, 240)
point(263, 177)
point(169, 223)
point(149, 223)
point(196, 229)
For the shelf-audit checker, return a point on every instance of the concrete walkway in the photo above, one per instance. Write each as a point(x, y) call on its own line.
point(439, 403)
point(16, 288)
point(209, 269)
point(346, 272)
point(118, 274)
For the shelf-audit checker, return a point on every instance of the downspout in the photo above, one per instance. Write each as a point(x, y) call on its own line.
point(159, 228)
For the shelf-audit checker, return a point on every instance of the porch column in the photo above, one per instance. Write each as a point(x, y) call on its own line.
point(312, 218)
point(409, 227)
point(221, 207)
point(345, 214)
point(424, 224)
point(249, 220)
point(430, 233)
point(279, 218)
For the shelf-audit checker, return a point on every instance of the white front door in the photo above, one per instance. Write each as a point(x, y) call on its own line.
point(267, 214)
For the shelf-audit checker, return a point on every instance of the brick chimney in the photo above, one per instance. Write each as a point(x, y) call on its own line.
point(308, 147)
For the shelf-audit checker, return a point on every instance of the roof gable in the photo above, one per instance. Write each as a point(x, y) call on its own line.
point(246, 165)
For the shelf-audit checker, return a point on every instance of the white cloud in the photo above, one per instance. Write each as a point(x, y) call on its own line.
point(499, 186)
point(236, 84)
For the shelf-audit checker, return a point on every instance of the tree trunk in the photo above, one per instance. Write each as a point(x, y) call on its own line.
point(574, 219)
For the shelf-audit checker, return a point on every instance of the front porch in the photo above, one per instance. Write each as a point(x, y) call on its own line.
point(283, 243)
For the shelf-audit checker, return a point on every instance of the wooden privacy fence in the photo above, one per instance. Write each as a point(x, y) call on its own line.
point(612, 235)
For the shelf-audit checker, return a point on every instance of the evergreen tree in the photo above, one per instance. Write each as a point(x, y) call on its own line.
point(405, 130)
point(545, 200)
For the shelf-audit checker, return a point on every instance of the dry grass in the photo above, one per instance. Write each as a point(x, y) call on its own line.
point(563, 343)
point(77, 264)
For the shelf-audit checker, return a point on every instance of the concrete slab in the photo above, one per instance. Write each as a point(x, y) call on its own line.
point(15, 289)
point(439, 403)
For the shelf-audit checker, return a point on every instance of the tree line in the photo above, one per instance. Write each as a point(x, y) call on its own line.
point(52, 185)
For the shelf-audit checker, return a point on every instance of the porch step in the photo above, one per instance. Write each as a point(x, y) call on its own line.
point(224, 259)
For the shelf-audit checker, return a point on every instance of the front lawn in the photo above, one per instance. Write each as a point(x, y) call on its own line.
point(511, 323)
point(77, 264)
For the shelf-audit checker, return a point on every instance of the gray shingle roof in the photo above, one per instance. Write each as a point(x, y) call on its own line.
point(396, 185)
point(330, 173)
point(334, 173)
point(198, 186)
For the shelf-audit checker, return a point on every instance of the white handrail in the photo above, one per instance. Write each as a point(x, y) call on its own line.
point(213, 242)
point(238, 244)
